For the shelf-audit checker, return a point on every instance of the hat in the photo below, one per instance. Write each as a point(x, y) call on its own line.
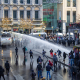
point(54, 53)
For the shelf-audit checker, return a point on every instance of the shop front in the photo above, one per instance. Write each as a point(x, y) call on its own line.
point(50, 15)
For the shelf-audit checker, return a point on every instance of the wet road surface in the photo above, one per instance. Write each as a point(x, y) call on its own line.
point(22, 72)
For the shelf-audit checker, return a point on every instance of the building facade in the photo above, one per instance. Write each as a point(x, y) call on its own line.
point(67, 13)
point(70, 13)
point(17, 9)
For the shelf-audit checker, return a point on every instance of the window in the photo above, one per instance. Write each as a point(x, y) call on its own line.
point(74, 3)
point(6, 13)
point(74, 16)
point(21, 1)
point(6, 1)
point(36, 1)
point(36, 14)
point(21, 14)
point(15, 14)
point(68, 16)
point(68, 3)
point(28, 1)
point(28, 14)
point(6, 35)
point(14, 1)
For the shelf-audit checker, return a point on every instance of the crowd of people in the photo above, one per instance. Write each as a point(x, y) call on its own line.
point(63, 40)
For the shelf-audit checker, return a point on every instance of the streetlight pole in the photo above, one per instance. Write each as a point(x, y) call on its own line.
point(32, 30)
point(52, 30)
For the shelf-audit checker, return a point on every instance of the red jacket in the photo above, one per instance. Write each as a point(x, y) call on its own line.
point(50, 63)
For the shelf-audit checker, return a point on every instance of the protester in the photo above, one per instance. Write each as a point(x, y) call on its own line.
point(73, 72)
point(59, 53)
point(16, 50)
point(43, 53)
point(51, 53)
point(31, 54)
point(64, 56)
point(39, 68)
point(1, 72)
point(39, 59)
point(33, 74)
point(48, 68)
point(50, 63)
point(24, 50)
point(79, 63)
point(7, 66)
point(55, 59)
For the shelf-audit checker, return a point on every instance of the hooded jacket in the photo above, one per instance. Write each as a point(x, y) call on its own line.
point(55, 58)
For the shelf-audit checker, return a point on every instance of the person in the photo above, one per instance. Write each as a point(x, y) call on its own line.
point(16, 50)
point(1, 72)
point(24, 50)
point(59, 53)
point(50, 63)
point(7, 66)
point(79, 63)
point(39, 68)
point(73, 72)
point(43, 53)
point(39, 59)
point(48, 68)
point(51, 52)
point(55, 59)
point(64, 56)
point(31, 54)
point(33, 74)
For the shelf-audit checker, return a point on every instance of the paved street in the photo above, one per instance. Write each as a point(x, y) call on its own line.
point(21, 72)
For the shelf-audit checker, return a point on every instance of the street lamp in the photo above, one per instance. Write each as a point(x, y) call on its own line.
point(52, 30)
point(32, 30)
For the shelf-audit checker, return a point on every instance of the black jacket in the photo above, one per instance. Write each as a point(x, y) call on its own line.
point(33, 74)
point(7, 66)
point(48, 67)
point(1, 70)
point(31, 53)
point(39, 67)
point(39, 60)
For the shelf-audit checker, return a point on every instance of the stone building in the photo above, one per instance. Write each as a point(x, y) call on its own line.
point(17, 9)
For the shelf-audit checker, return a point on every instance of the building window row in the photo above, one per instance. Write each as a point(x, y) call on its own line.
point(69, 3)
point(21, 1)
point(21, 14)
point(68, 16)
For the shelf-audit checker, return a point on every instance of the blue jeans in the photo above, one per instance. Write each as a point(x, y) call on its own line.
point(71, 62)
point(39, 73)
point(48, 72)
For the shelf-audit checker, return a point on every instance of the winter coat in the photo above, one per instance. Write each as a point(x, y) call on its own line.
point(39, 67)
point(50, 63)
point(33, 74)
point(31, 53)
point(55, 58)
point(51, 51)
point(7, 66)
point(1, 70)
point(48, 68)
point(39, 60)
point(64, 55)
